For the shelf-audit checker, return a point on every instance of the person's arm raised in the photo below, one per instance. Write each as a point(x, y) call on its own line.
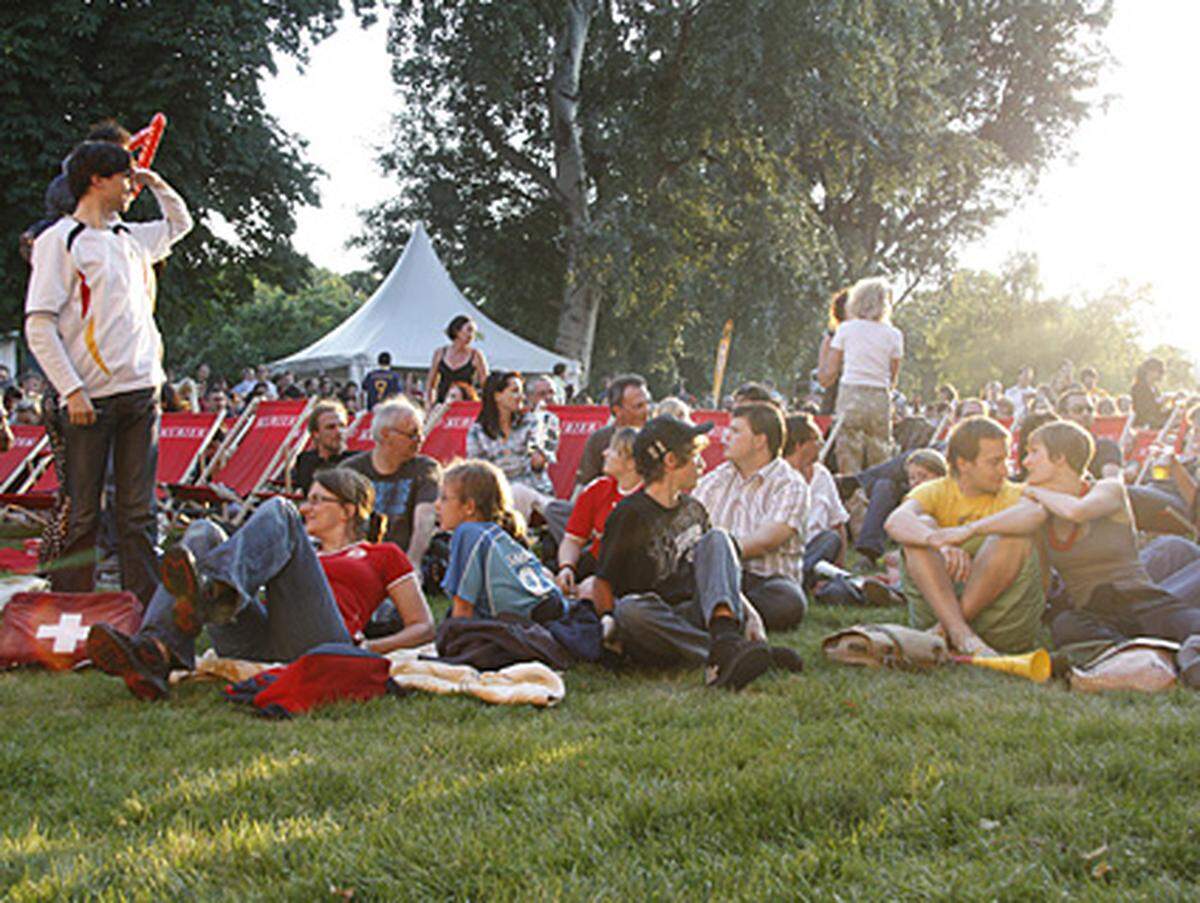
point(1106, 498)
point(177, 221)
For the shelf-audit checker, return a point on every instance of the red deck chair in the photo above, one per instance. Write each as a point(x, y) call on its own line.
point(714, 452)
point(358, 434)
point(19, 464)
point(182, 440)
point(36, 492)
point(576, 422)
point(253, 454)
point(448, 438)
point(28, 480)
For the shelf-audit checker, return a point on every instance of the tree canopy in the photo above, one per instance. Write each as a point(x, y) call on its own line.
point(981, 326)
point(66, 64)
point(735, 159)
point(274, 324)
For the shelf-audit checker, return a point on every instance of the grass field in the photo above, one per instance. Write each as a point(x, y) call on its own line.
point(836, 783)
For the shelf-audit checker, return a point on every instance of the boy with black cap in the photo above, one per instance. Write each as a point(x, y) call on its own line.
point(672, 583)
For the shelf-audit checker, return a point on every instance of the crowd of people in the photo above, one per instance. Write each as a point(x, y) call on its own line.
point(668, 565)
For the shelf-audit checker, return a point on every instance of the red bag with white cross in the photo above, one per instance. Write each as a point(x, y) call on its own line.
point(50, 629)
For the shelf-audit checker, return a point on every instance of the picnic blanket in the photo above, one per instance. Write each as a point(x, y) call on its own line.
point(526, 683)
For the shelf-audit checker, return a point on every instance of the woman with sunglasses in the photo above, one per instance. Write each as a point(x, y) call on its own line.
point(323, 580)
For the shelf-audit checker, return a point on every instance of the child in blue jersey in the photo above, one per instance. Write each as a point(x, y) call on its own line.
point(491, 569)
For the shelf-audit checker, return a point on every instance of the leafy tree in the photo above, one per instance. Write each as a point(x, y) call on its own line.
point(65, 64)
point(1181, 367)
point(276, 324)
point(982, 326)
point(692, 160)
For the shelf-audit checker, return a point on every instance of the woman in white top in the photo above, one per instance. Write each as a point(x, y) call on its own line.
point(864, 361)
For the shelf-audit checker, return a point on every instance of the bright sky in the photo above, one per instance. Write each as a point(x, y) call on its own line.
point(1118, 210)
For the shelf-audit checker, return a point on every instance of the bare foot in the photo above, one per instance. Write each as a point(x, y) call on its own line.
point(969, 643)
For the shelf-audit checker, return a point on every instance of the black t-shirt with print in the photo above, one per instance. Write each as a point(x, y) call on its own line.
point(648, 548)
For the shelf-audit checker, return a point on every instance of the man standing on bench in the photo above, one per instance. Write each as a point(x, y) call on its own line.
point(986, 596)
point(90, 324)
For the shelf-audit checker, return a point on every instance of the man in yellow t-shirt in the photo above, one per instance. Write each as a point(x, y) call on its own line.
point(987, 595)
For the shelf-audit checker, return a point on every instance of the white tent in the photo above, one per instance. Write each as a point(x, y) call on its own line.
point(407, 317)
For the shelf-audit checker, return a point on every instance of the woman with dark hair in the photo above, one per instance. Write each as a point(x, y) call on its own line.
point(1149, 408)
point(522, 444)
point(457, 362)
point(326, 594)
point(837, 313)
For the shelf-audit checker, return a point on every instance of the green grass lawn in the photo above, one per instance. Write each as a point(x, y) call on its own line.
point(837, 783)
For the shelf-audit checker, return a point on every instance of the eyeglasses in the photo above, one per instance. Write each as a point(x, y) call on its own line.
point(414, 435)
point(314, 499)
point(1080, 409)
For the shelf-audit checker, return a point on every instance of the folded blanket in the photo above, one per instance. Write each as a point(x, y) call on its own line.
point(526, 683)
point(530, 683)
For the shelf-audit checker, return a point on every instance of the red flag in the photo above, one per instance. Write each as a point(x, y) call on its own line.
point(50, 629)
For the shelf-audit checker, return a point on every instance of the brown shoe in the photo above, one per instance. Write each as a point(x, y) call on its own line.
point(140, 661)
point(198, 601)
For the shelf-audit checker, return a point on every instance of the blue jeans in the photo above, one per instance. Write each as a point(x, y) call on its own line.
point(1174, 564)
point(270, 550)
point(825, 546)
point(885, 486)
point(127, 428)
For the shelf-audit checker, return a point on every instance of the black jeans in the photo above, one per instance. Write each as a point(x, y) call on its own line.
point(127, 426)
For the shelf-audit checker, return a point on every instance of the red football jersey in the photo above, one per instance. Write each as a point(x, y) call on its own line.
point(592, 509)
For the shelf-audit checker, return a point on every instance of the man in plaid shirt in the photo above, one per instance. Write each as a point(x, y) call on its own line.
point(762, 502)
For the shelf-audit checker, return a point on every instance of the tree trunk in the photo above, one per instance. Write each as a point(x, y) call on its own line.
point(581, 300)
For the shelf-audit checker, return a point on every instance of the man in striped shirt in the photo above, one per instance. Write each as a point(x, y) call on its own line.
point(763, 503)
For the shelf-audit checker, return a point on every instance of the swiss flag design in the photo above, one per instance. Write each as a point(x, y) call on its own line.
point(50, 629)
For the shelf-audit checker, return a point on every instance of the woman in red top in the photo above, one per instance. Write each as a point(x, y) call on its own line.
point(363, 574)
point(311, 596)
point(580, 548)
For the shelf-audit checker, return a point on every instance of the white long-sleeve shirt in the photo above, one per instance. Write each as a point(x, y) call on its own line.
point(98, 285)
